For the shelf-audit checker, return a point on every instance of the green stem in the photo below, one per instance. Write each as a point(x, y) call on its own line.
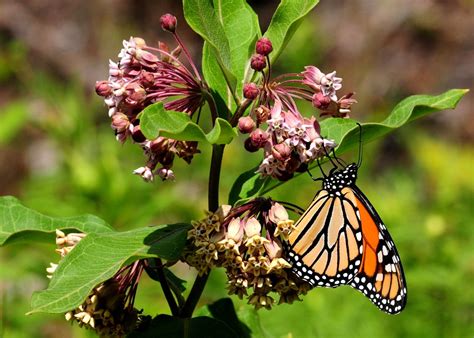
point(240, 111)
point(167, 292)
point(213, 205)
point(157, 272)
point(214, 176)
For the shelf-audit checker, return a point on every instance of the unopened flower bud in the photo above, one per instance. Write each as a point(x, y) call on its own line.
point(281, 151)
point(120, 122)
point(137, 96)
point(165, 174)
point(321, 101)
point(278, 213)
point(234, 230)
point(249, 146)
point(246, 124)
point(137, 134)
point(252, 227)
point(258, 62)
point(259, 137)
point(251, 91)
point(145, 173)
point(168, 22)
point(264, 46)
point(102, 88)
point(147, 79)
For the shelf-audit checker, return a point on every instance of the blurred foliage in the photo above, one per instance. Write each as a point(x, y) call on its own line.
point(59, 156)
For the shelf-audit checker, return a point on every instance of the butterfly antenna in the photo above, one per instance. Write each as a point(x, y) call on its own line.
point(359, 162)
point(312, 177)
point(339, 160)
point(329, 157)
point(320, 168)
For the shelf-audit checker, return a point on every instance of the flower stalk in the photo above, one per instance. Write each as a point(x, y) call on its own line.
point(213, 205)
point(158, 273)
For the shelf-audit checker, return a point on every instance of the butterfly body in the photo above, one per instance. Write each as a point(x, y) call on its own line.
point(341, 240)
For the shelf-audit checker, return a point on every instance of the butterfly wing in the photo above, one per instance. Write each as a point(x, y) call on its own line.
point(340, 239)
point(380, 275)
point(325, 249)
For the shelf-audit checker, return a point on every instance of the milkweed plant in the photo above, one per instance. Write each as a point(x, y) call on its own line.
point(159, 99)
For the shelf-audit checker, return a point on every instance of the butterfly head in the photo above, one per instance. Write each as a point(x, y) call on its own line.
point(339, 179)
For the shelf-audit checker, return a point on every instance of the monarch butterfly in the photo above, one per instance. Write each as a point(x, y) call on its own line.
point(341, 240)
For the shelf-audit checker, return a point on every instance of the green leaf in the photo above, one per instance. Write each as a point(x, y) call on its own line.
point(156, 121)
point(223, 309)
point(346, 134)
point(285, 21)
point(168, 241)
point(202, 18)
point(19, 224)
point(165, 326)
point(216, 81)
point(14, 117)
point(242, 30)
point(248, 184)
point(175, 282)
point(99, 256)
point(249, 317)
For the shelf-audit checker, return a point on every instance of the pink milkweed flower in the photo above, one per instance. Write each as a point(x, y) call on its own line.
point(293, 141)
point(341, 108)
point(145, 75)
point(328, 84)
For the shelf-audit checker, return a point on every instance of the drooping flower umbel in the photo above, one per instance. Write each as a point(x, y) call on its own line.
point(247, 241)
point(145, 75)
point(290, 141)
point(109, 308)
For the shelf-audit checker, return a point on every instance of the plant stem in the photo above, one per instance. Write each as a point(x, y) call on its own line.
point(214, 176)
point(167, 292)
point(194, 295)
point(157, 272)
point(213, 205)
point(240, 111)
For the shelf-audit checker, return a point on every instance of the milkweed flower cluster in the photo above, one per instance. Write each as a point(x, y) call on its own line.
point(65, 244)
point(108, 309)
point(247, 241)
point(289, 140)
point(145, 75)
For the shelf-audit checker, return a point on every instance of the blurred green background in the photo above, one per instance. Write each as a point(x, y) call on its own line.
point(59, 156)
